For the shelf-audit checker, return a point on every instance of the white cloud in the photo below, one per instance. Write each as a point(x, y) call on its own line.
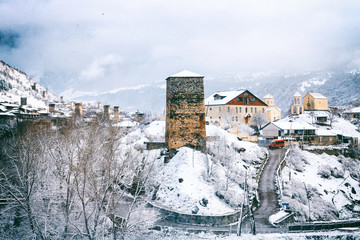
point(79, 41)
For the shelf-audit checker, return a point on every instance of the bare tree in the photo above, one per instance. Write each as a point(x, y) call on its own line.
point(260, 119)
point(332, 114)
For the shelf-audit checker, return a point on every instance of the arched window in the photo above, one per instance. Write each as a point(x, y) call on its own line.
point(300, 110)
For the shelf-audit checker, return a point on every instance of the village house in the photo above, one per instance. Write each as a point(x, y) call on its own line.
point(353, 113)
point(273, 113)
point(293, 130)
point(300, 132)
point(315, 102)
point(234, 107)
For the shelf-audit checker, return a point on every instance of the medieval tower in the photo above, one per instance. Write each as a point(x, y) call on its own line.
point(185, 111)
point(297, 106)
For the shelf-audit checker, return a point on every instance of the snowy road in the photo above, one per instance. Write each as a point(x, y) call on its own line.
point(267, 189)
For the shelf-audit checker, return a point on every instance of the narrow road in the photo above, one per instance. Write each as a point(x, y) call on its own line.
point(267, 189)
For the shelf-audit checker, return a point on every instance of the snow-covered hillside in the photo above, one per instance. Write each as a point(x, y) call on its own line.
point(207, 184)
point(15, 84)
point(332, 184)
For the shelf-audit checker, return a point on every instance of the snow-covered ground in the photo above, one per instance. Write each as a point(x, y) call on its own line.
point(332, 183)
point(206, 183)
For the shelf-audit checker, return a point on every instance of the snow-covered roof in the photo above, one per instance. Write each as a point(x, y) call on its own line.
point(186, 73)
point(354, 110)
point(268, 96)
point(324, 132)
point(224, 97)
point(294, 125)
point(271, 108)
point(7, 114)
point(317, 95)
point(297, 94)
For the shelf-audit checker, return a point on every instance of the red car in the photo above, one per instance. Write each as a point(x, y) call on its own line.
point(277, 144)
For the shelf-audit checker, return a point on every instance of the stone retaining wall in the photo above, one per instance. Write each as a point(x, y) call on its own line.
point(194, 219)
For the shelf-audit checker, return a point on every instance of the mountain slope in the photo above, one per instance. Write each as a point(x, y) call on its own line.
point(15, 84)
point(341, 88)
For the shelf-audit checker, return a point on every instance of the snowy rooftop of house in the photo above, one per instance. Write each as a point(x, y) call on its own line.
point(354, 110)
point(324, 132)
point(297, 94)
point(317, 95)
point(271, 108)
point(220, 98)
point(186, 73)
point(268, 96)
point(294, 125)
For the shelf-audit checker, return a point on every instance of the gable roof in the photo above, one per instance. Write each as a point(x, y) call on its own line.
point(297, 94)
point(268, 96)
point(317, 95)
point(186, 73)
point(354, 110)
point(225, 97)
point(294, 125)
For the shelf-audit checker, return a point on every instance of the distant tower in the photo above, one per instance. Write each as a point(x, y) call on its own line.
point(297, 106)
point(99, 106)
point(269, 100)
point(185, 111)
point(78, 109)
point(52, 108)
point(107, 112)
point(116, 114)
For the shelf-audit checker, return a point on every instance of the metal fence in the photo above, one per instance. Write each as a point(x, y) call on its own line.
point(319, 226)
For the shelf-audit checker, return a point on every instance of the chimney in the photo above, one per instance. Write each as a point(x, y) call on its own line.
point(116, 114)
point(23, 101)
point(107, 112)
point(34, 86)
point(44, 94)
point(99, 106)
point(52, 108)
point(78, 109)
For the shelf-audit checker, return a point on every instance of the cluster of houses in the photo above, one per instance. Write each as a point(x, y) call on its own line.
point(229, 109)
point(61, 111)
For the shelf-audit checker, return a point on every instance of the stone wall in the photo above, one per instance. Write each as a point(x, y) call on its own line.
point(185, 113)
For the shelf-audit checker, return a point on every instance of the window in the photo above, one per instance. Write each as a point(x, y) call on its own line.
point(210, 117)
point(232, 118)
point(219, 109)
point(252, 99)
point(240, 109)
point(255, 110)
point(245, 110)
point(219, 118)
point(267, 102)
point(246, 101)
point(228, 109)
point(236, 110)
point(210, 109)
point(251, 109)
point(236, 118)
point(246, 95)
point(240, 99)
point(263, 110)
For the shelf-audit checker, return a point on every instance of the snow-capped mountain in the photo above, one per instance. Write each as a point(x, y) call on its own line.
point(15, 85)
point(340, 87)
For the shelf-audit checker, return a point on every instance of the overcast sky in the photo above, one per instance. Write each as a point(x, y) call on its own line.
point(100, 45)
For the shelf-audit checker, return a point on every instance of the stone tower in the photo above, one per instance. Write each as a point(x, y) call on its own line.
point(116, 114)
point(185, 111)
point(107, 112)
point(297, 106)
point(269, 100)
